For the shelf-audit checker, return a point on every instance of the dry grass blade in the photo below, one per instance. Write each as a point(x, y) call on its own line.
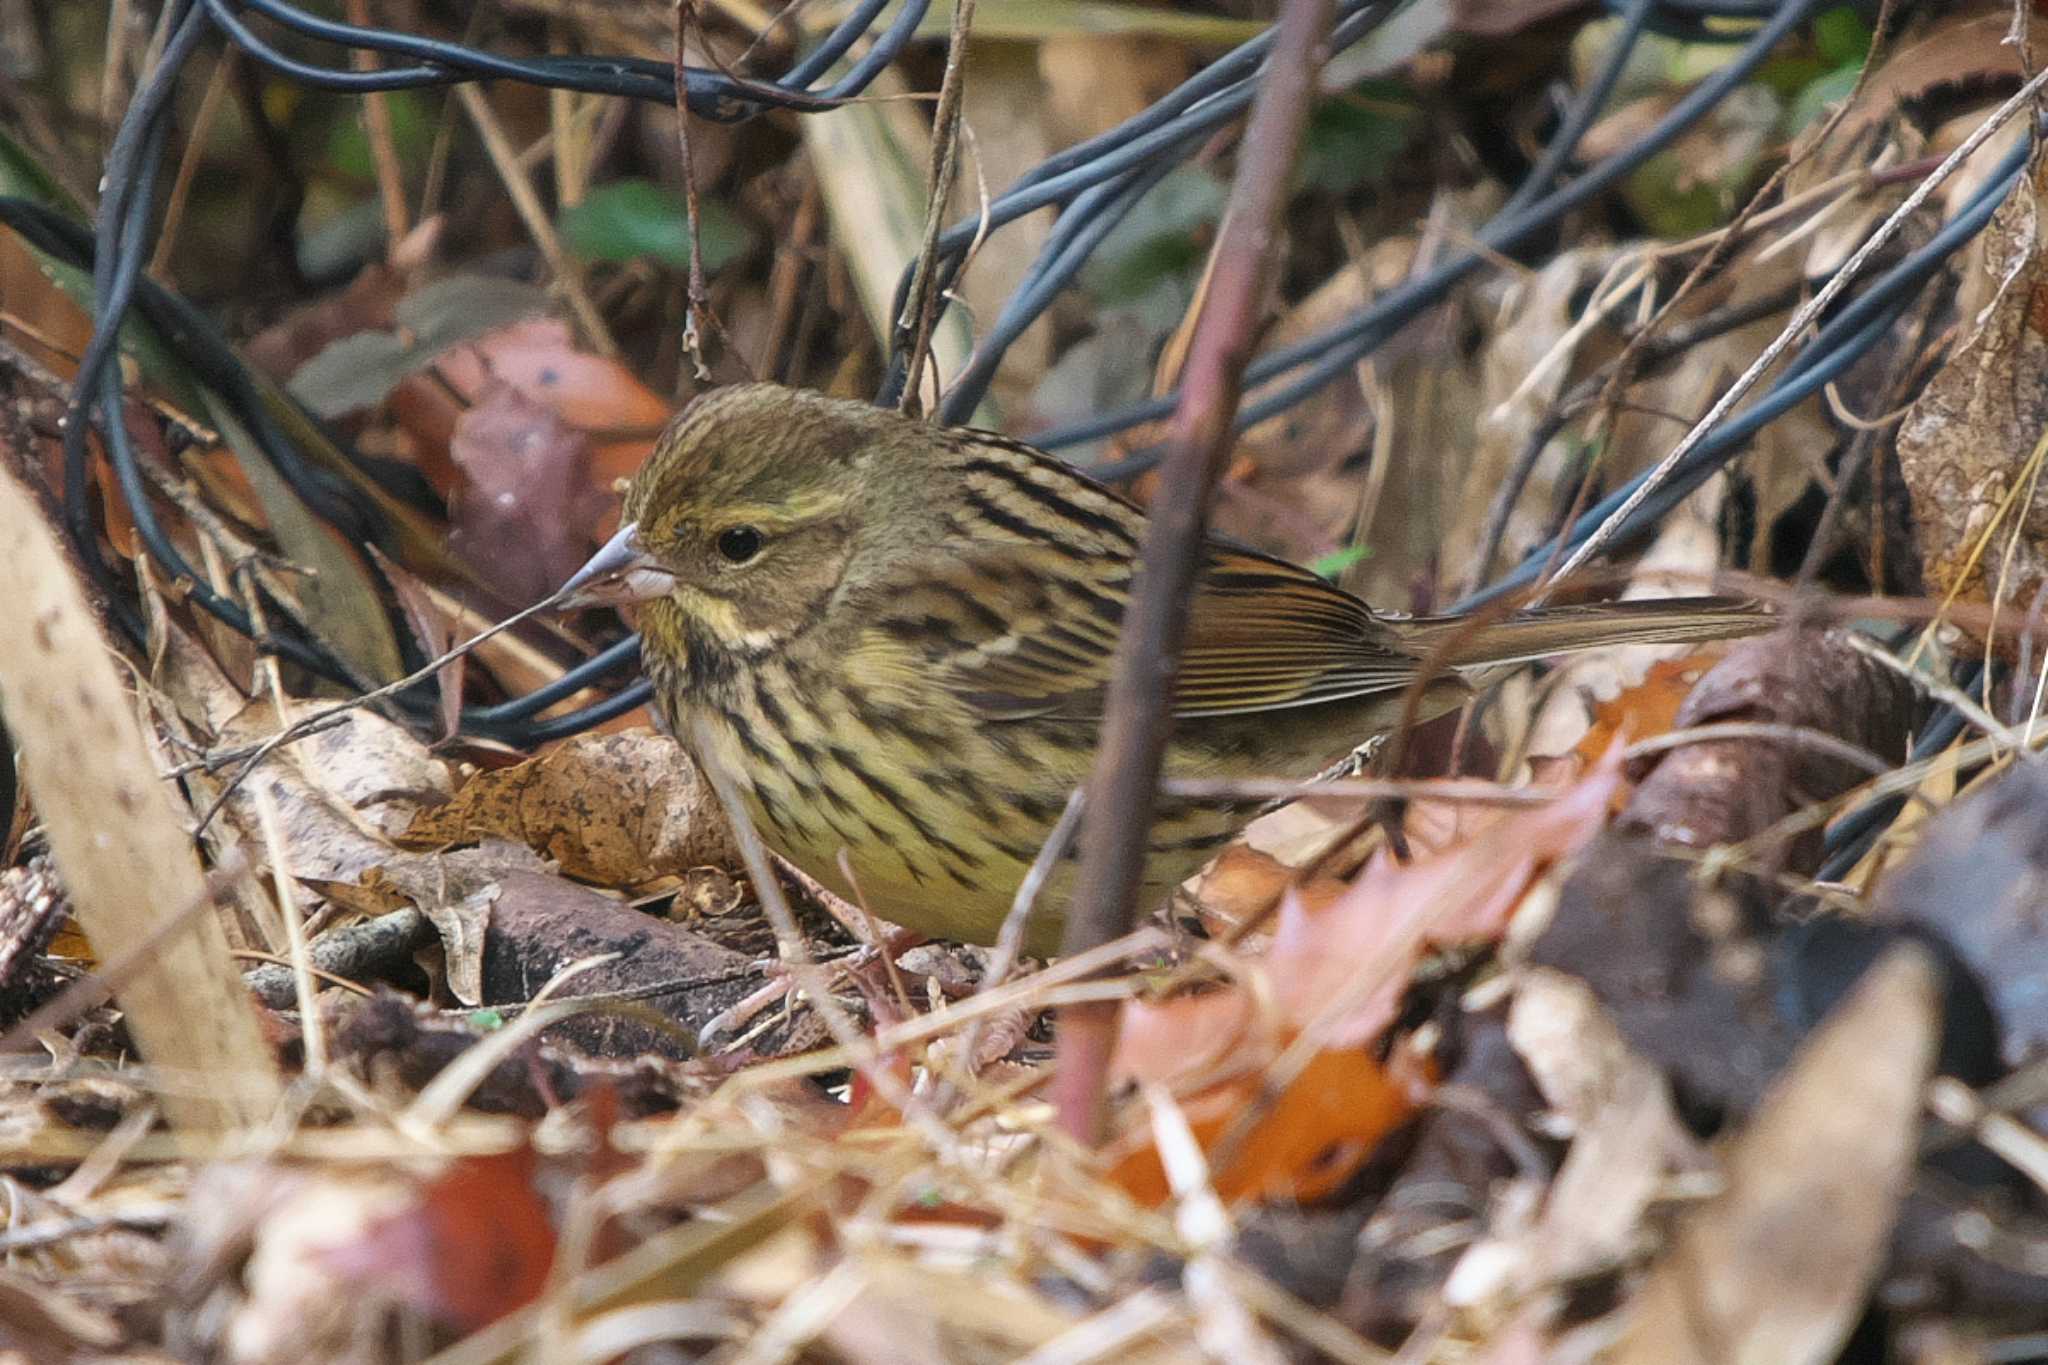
point(124, 853)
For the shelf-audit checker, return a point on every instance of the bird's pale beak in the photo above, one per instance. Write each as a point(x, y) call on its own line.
point(618, 575)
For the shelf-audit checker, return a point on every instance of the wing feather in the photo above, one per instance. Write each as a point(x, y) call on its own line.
point(1262, 635)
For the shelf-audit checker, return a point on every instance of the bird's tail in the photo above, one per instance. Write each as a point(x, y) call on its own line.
point(1565, 630)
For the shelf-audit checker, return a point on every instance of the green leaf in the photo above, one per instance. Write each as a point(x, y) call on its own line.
point(1159, 239)
point(361, 370)
point(630, 220)
point(1337, 561)
point(487, 1021)
point(1352, 140)
point(1842, 37)
point(412, 137)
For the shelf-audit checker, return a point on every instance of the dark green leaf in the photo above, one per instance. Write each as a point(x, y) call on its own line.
point(630, 220)
point(1162, 237)
point(1352, 140)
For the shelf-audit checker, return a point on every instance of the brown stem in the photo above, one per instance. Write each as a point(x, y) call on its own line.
point(1124, 784)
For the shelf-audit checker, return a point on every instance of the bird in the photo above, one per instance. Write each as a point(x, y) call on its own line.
point(896, 639)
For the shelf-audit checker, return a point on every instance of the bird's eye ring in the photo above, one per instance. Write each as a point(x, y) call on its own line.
point(739, 543)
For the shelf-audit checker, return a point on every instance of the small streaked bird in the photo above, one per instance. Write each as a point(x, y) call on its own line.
point(899, 638)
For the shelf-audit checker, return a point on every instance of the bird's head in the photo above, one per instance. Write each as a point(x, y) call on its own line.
point(746, 518)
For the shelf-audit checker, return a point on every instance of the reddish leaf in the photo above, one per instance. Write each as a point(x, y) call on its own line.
point(527, 512)
point(1310, 1140)
point(476, 1245)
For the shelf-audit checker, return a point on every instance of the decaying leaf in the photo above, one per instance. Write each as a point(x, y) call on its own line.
point(1626, 1137)
point(1778, 1267)
point(528, 510)
point(456, 890)
point(1972, 447)
point(618, 810)
point(1340, 968)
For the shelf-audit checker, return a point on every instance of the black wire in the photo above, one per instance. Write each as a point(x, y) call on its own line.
point(575, 722)
point(710, 94)
point(1635, 15)
point(1067, 249)
point(1844, 338)
point(1855, 834)
point(1095, 182)
point(625, 654)
point(1335, 351)
point(1163, 132)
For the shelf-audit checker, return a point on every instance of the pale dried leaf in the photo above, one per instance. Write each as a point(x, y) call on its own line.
point(1626, 1137)
point(618, 810)
point(1779, 1266)
point(116, 835)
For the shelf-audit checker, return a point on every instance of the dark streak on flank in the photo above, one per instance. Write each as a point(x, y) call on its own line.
point(882, 787)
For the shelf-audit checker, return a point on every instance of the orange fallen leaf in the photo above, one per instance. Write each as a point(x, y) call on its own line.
point(476, 1244)
point(1341, 968)
point(1313, 1136)
point(1650, 707)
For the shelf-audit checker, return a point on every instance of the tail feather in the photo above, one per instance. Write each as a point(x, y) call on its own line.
point(1565, 630)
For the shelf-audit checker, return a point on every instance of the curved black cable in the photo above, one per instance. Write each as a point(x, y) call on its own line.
point(710, 94)
point(1857, 326)
point(1091, 217)
point(612, 659)
point(1635, 18)
point(1200, 105)
point(1094, 178)
point(1333, 352)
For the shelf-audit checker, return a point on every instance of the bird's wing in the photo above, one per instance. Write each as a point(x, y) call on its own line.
point(1017, 633)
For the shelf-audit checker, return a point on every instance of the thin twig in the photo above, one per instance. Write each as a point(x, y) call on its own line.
point(1123, 788)
point(505, 157)
point(328, 717)
point(1795, 328)
point(697, 299)
point(377, 128)
point(921, 309)
point(217, 91)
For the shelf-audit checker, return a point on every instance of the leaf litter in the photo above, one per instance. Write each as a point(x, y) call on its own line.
point(1601, 1070)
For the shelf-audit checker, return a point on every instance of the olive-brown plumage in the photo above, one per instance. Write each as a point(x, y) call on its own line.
point(899, 636)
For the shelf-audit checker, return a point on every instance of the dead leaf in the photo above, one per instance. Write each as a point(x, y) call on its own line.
point(618, 810)
point(1626, 1137)
point(116, 833)
point(1648, 708)
point(1965, 47)
point(1094, 81)
point(1779, 1266)
point(1470, 872)
point(1972, 441)
point(1307, 1141)
point(473, 1243)
point(356, 364)
point(592, 393)
point(456, 890)
point(527, 510)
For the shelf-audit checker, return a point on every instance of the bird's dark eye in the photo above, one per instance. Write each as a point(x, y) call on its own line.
point(739, 543)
